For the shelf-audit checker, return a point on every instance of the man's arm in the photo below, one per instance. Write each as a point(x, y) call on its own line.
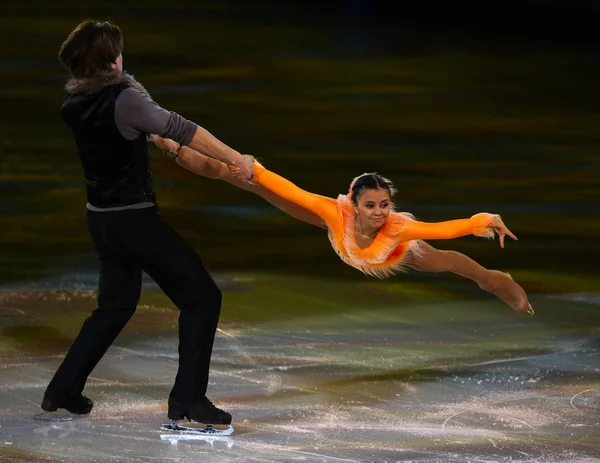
point(136, 113)
point(210, 146)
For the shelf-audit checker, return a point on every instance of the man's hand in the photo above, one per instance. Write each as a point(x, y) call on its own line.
point(168, 146)
point(244, 171)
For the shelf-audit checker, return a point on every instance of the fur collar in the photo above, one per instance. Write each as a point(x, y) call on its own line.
point(101, 80)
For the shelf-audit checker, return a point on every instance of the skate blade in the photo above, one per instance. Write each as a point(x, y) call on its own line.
point(54, 416)
point(209, 429)
point(175, 438)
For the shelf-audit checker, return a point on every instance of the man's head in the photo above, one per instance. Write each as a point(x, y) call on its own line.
point(93, 47)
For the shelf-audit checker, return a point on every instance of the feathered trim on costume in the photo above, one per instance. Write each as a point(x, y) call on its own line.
point(375, 259)
point(482, 225)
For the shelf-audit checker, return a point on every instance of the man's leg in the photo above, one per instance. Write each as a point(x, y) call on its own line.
point(118, 296)
point(180, 273)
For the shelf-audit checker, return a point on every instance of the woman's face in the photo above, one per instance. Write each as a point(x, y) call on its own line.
point(373, 207)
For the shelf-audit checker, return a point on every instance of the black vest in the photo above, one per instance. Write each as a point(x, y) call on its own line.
point(117, 170)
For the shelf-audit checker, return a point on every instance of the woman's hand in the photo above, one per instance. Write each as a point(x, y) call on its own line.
point(245, 171)
point(170, 147)
point(501, 230)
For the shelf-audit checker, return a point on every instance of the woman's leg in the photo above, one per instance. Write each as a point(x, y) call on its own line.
point(214, 169)
point(499, 283)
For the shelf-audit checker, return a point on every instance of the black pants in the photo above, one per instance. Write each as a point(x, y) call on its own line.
point(128, 242)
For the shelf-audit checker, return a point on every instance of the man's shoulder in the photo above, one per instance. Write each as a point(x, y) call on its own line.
point(132, 99)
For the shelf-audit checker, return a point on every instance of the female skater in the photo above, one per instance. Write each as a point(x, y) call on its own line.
point(365, 231)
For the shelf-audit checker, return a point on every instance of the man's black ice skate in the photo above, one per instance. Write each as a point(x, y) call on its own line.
point(75, 405)
point(203, 412)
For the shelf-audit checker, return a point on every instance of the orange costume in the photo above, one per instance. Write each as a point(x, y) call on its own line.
point(399, 235)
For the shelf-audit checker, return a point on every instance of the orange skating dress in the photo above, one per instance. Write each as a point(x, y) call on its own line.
point(400, 234)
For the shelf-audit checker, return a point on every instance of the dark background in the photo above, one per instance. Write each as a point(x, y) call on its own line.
point(467, 108)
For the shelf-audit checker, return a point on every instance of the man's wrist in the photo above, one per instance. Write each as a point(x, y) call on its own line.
point(238, 160)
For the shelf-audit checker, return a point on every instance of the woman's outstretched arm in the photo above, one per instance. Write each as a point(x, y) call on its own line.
point(483, 224)
point(214, 169)
point(325, 208)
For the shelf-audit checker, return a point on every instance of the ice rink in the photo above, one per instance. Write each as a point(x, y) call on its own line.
point(341, 372)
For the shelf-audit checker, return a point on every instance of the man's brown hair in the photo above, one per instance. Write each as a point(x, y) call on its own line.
point(91, 48)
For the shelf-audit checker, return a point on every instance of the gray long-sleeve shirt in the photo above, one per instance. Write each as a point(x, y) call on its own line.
point(136, 113)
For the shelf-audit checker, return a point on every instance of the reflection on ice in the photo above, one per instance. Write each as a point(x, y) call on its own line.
point(61, 415)
point(175, 438)
point(63, 428)
point(208, 429)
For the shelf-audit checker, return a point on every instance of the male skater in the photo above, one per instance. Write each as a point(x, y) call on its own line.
point(110, 115)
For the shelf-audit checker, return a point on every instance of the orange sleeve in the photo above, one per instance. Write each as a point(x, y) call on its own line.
point(478, 225)
point(326, 208)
